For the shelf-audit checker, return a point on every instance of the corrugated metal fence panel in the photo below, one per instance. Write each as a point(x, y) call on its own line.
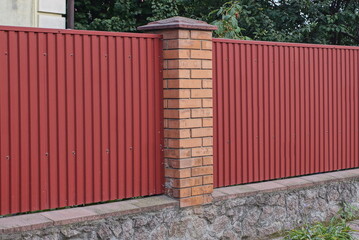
point(80, 117)
point(283, 110)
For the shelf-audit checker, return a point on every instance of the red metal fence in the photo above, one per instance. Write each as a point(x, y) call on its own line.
point(80, 117)
point(283, 110)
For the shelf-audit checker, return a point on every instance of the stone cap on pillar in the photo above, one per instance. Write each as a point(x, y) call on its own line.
point(178, 23)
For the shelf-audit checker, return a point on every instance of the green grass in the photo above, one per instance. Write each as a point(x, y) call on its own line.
point(336, 229)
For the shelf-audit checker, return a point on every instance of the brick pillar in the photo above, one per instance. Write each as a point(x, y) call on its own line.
point(188, 113)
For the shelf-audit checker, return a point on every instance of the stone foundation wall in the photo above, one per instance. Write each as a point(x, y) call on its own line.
point(251, 211)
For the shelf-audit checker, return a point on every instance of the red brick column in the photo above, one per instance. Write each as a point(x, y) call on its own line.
point(188, 113)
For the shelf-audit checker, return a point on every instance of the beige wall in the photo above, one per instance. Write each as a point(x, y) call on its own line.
point(17, 13)
point(33, 13)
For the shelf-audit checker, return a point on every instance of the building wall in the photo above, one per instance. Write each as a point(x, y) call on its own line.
point(33, 13)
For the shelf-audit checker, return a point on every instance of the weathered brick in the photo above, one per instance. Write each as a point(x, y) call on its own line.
point(181, 192)
point(184, 143)
point(183, 63)
point(175, 34)
point(178, 173)
point(207, 64)
point(184, 103)
point(184, 83)
point(199, 190)
point(206, 35)
point(165, 123)
point(207, 103)
point(207, 160)
point(207, 45)
point(177, 153)
point(200, 171)
point(201, 112)
point(191, 201)
point(177, 113)
point(207, 122)
point(178, 73)
point(201, 54)
point(196, 73)
point(202, 132)
point(203, 151)
point(208, 179)
point(187, 182)
point(201, 93)
point(207, 141)
point(176, 93)
point(183, 43)
point(184, 123)
point(177, 133)
point(175, 54)
point(206, 83)
point(197, 162)
point(165, 103)
point(180, 163)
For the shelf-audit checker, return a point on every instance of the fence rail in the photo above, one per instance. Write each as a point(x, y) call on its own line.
point(80, 117)
point(283, 109)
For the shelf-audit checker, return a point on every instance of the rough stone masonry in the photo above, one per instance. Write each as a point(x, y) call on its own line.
point(252, 211)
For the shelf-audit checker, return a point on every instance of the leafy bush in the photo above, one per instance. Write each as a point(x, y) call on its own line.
point(308, 21)
point(227, 25)
point(121, 15)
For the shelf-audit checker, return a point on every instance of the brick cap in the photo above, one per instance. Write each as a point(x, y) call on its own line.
point(178, 23)
point(47, 219)
point(251, 189)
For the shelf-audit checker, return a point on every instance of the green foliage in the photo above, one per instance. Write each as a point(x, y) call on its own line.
point(127, 15)
point(348, 212)
point(124, 19)
point(199, 9)
point(121, 15)
point(227, 25)
point(320, 21)
point(336, 229)
point(308, 21)
point(162, 9)
point(333, 231)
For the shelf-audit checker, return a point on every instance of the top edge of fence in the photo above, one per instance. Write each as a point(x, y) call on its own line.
point(285, 44)
point(79, 32)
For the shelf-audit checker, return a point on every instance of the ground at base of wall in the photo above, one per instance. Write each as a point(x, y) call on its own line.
point(354, 225)
point(240, 212)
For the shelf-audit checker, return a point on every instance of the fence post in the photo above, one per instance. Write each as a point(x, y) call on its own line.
point(188, 111)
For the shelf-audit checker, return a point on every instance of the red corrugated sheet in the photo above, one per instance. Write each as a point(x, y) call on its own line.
point(80, 117)
point(283, 110)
